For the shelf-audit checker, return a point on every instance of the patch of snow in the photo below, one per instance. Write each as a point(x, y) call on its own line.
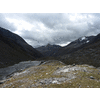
point(83, 38)
point(87, 41)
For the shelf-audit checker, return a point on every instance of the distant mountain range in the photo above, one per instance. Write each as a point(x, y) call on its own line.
point(56, 50)
point(48, 50)
point(85, 50)
point(89, 53)
point(75, 45)
point(14, 49)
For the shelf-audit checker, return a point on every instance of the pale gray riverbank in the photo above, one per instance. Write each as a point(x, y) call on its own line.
point(8, 71)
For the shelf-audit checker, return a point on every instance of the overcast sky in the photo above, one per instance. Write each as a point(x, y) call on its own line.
point(55, 28)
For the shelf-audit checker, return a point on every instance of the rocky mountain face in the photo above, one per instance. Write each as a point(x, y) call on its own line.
point(48, 50)
point(85, 50)
point(88, 54)
point(55, 50)
point(14, 49)
point(75, 45)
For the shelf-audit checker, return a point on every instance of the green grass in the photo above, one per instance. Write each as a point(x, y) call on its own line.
point(83, 80)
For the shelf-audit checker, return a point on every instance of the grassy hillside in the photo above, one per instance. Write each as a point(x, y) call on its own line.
point(55, 74)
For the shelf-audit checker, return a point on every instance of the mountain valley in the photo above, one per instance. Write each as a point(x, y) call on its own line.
point(76, 65)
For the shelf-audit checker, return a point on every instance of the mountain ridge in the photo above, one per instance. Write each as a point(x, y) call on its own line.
point(89, 54)
point(48, 50)
point(84, 50)
point(75, 45)
point(15, 49)
point(71, 47)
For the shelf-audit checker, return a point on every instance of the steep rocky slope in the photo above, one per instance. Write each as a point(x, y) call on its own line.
point(85, 50)
point(75, 45)
point(55, 50)
point(14, 49)
point(89, 54)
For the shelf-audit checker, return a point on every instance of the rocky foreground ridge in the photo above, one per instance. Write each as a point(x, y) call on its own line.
point(51, 74)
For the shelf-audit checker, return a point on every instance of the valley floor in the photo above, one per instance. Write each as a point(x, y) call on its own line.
point(54, 74)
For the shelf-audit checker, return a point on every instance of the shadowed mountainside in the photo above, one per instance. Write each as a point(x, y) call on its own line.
point(88, 54)
point(14, 49)
point(75, 45)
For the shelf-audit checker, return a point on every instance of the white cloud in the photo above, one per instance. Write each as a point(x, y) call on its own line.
point(5, 24)
point(64, 44)
point(20, 24)
point(55, 28)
